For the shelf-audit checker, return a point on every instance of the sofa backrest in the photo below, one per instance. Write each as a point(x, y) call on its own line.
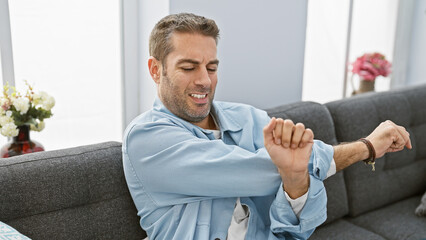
point(398, 175)
point(316, 117)
point(77, 193)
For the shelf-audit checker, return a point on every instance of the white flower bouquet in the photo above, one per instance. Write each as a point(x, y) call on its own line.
point(17, 110)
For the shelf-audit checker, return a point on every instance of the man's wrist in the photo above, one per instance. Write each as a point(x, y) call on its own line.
point(295, 189)
point(371, 152)
point(364, 150)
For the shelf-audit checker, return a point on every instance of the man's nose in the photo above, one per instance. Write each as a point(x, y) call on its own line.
point(203, 78)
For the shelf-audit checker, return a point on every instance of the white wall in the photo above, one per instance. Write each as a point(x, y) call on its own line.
point(138, 89)
point(261, 48)
point(150, 14)
point(416, 73)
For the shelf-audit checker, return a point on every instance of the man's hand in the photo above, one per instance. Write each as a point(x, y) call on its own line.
point(289, 147)
point(389, 137)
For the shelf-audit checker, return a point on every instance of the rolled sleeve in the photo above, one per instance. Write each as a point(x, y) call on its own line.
point(320, 160)
point(298, 203)
point(284, 221)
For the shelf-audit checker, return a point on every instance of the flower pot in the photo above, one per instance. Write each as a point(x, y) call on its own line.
point(365, 86)
point(21, 144)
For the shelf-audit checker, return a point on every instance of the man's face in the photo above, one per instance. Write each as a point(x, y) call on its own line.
point(188, 79)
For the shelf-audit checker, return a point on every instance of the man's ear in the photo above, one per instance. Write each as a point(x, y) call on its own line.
point(154, 67)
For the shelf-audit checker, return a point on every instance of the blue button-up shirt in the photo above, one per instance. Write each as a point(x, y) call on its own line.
point(185, 183)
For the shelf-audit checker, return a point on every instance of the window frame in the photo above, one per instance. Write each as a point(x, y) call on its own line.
point(6, 52)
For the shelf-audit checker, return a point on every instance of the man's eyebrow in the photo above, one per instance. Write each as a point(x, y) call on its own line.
point(214, 62)
point(188, 61)
point(185, 60)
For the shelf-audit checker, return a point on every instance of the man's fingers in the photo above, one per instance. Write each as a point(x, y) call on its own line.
point(408, 144)
point(287, 133)
point(403, 138)
point(308, 137)
point(278, 131)
point(394, 148)
point(400, 136)
point(268, 131)
point(299, 129)
point(406, 136)
point(400, 141)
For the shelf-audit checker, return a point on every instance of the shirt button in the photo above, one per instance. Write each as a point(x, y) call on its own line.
point(217, 239)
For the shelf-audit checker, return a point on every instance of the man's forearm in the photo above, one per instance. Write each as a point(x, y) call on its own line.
point(347, 154)
point(387, 137)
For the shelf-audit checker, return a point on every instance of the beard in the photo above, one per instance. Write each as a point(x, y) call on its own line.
point(178, 103)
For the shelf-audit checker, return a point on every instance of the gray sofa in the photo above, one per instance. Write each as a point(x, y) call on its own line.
point(81, 193)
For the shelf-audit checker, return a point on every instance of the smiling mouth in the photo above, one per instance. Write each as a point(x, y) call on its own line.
point(199, 96)
point(200, 99)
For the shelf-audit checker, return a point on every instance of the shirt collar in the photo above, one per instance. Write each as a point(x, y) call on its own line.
point(224, 119)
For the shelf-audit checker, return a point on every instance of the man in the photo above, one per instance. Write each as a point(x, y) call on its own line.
point(203, 169)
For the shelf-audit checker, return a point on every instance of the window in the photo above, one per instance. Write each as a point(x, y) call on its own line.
point(372, 29)
point(71, 50)
point(1, 69)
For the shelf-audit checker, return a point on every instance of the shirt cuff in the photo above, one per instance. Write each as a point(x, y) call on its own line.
point(298, 203)
point(332, 169)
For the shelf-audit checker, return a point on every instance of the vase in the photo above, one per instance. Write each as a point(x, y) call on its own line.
point(365, 86)
point(21, 144)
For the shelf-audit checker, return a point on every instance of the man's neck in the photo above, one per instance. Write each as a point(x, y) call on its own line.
point(207, 123)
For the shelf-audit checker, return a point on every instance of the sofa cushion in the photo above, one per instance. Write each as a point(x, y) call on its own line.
point(78, 192)
point(396, 221)
point(398, 175)
point(107, 219)
point(342, 229)
point(316, 117)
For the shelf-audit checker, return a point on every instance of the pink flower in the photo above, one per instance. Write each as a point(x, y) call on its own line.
point(371, 65)
point(5, 105)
